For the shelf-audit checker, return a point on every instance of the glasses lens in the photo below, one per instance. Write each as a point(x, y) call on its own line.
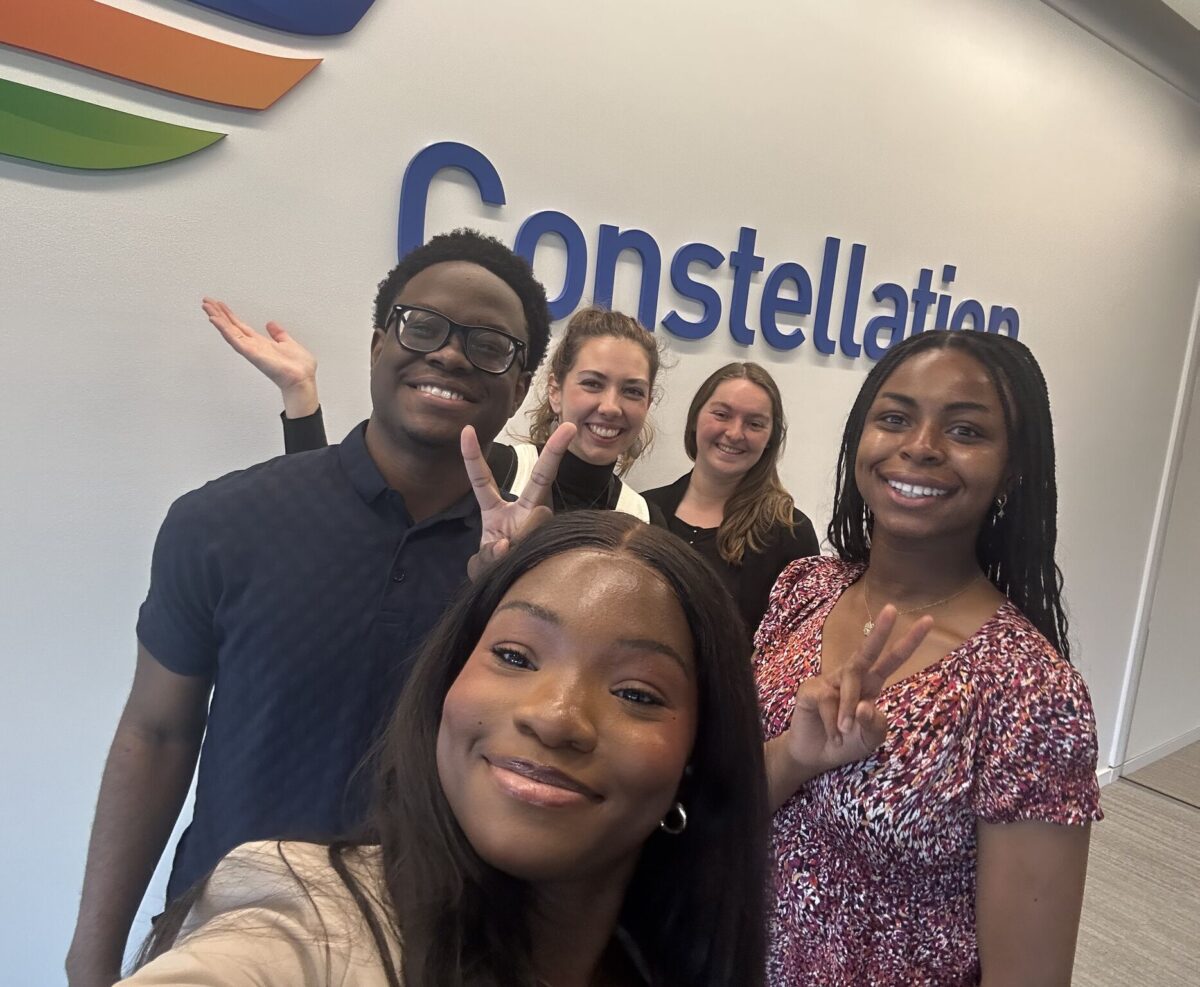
point(422, 331)
point(489, 350)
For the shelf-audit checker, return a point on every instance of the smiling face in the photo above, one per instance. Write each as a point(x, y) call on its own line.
point(564, 738)
point(933, 453)
point(425, 399)
point(733, 428)
point(606, 394)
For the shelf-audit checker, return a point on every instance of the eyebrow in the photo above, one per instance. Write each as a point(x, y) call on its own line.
point(541, 613)
point(604, 376)
point(908, 402)
point(749, 414)
point(649, 644)
point(631, 643)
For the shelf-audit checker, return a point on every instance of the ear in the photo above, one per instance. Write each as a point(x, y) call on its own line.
point(523, 381)
point(377, 341)
point(554, 395)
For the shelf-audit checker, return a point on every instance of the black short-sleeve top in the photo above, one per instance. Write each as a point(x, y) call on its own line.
point(749, 583)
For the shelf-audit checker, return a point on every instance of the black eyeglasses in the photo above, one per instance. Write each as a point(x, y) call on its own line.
point(423, 330)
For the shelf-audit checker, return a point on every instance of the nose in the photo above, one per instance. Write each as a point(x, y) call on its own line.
point(735, 430)
point(452, 356)
point(610, 404)
point(924, 443)
point(557, 713)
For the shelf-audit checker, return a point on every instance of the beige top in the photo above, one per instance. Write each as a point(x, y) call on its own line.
point(277, 915)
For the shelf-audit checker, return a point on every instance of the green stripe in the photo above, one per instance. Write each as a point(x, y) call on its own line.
point(52, 129)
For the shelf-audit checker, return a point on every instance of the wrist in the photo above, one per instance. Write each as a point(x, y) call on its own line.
point(800, 768)
point(785, 772)
point(300, 399)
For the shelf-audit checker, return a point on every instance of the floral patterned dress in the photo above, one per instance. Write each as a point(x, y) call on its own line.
point(875, 861)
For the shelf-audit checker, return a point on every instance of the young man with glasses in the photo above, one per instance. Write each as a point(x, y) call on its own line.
point(295, 593)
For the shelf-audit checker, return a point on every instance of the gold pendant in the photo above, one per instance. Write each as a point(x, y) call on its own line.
point(868, 627)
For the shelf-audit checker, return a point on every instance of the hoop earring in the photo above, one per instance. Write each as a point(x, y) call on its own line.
point(998, 506)
point(676, 825)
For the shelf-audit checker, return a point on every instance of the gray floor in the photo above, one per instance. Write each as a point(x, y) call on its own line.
point(1141, 910)
point(1177, 775)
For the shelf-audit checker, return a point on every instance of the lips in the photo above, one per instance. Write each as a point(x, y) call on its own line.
point(539, 784)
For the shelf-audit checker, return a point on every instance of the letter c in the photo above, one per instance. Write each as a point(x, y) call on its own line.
point(418, 176)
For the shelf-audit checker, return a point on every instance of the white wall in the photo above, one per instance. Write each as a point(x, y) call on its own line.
point(995, 135)
point(1166, 713)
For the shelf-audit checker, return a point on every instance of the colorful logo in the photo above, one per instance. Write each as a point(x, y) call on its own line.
point(49, 128)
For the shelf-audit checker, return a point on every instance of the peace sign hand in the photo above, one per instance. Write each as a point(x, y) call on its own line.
point(506, 522)
point(836, 720)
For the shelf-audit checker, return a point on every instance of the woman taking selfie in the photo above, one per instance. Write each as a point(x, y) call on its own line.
point(565, 798)
point(955, 852)
point(731, 507)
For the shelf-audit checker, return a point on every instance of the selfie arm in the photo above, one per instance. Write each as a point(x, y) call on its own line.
point(146, 780)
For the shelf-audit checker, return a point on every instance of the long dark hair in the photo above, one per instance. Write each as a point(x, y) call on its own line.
point(695, 907)
point(1015, 551)
point(760, 503)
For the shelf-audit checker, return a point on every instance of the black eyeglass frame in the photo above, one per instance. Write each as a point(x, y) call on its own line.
point(519, 346)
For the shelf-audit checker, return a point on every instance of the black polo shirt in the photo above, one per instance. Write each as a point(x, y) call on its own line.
point(302, 588)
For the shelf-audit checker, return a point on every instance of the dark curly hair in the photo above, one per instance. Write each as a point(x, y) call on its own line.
point(489, 253)
point(1015, 551)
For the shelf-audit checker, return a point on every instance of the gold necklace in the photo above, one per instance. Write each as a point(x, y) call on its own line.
point(870, 624)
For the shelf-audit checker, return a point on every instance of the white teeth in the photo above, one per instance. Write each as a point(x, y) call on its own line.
point(603, 432)
point(910, 490)
point(440, 392)
point(731, 450)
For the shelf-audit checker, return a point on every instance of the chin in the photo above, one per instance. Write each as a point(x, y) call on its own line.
point(530, 857)
point(598, 457)
point(437, 437)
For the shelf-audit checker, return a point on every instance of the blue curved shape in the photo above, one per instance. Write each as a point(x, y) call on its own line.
point(297, 16)
point(414, 187)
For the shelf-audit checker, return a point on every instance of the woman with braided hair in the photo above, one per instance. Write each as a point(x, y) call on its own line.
point(952, 849)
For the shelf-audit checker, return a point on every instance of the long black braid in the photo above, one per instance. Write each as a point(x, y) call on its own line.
point(1016, 550)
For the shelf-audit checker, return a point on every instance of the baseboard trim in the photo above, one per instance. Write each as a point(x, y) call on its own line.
point(1159, 752)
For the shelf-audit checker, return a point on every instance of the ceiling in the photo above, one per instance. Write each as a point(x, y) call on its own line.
point(1163, 36)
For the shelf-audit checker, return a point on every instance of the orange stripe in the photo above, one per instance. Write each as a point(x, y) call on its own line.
point(131, 47)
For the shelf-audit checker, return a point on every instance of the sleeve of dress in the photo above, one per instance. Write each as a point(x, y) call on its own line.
point(1036, 757)
point(303, 434)
point(786, 600)
point(256, 924)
